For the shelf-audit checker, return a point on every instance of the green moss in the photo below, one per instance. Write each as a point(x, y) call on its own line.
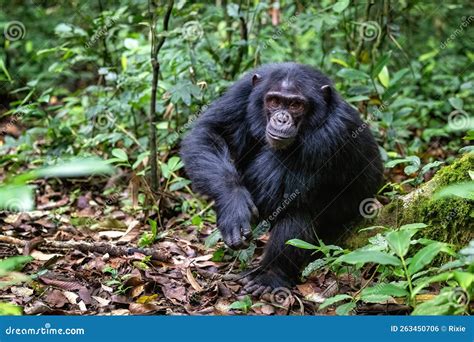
point(448, 219)
point(457, 172)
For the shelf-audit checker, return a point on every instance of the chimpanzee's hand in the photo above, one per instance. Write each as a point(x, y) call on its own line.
point(234, 215)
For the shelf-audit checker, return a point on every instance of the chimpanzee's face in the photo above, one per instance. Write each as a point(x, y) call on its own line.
point(285, 107)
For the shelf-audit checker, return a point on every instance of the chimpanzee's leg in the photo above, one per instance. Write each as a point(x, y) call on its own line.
point(282, 263)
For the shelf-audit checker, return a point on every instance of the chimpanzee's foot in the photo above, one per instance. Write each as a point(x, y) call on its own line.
point(259, 282)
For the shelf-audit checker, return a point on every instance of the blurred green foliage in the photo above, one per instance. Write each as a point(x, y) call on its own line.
point(77, 74)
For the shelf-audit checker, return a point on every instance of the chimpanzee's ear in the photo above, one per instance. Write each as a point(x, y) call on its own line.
point(327, 93)
point(256, 79)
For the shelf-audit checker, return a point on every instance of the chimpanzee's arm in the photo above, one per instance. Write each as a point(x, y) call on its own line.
point(207, 155)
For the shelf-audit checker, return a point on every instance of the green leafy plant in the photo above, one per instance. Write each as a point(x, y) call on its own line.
point(243, 305)
point(17, 195)
point(118, 281)
point(10, 275)
point(407, 263)
point(148, 238)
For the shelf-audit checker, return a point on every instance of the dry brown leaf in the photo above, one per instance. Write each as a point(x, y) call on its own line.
point(132, 231)
point(21, 291)
point(307, 288)
point(137, 291)
point(65, 285)
point(37, 255)
point(111, 234)
point(140, 309)
point(192, 280)
point(82, 306)
point(71, 297)
point(56, 299)
point(101, 301)
point(178, 293)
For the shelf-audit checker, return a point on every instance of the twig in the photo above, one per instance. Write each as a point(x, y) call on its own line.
point(243, 48)
point(155, 63)
point(94, 247)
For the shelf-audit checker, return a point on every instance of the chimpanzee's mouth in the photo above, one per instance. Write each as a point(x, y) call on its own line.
point(276, 136)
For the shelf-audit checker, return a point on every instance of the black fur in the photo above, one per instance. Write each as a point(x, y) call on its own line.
point(333, 165)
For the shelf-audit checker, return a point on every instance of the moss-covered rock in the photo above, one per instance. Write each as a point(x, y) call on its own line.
point(448, 219)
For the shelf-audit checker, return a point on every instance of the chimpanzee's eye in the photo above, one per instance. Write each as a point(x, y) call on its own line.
point(296, 106)
point(273, 102)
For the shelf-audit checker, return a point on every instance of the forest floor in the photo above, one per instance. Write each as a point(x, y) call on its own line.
point(86, 261)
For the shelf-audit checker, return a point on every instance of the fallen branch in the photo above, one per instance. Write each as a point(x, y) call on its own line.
point(85, 247)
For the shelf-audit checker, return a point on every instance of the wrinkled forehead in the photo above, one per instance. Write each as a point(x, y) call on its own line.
point(285, 85)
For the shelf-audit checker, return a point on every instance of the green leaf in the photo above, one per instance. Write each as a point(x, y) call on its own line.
point(76, 167)
point(301, 244)
point(212, 239)
point(424, 282)
point(399, 241)
point(340, 6)
point(391, 290)
point(432, 308)
point(395, 162)
point(381, 63)
point(233, 10)
point(425, 256)
point(415, 226)
point(179, 184)
point(410, 169)
point(313, 266)
point(462, 190)
point(384, 77)
point(131, 44)
point(141, 157)
point(377, 257)
point(175, 164)
point(196, 220)
point(245, 255)
point(4, 69)
point(331, 300)
point(218, 255)
point(7, 309)
point(165, 170)
point(428, 55)
point(464, 279)
point(120, 154)
point(443, 304)
point(345, 309)
point(375, 298)
point(456, 102)
point(243, 304)
point(340, 62)
point(17, 198)
point(352, 74)
point(358, 98)
point(15, 263)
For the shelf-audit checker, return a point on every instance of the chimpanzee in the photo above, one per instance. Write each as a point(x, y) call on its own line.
point(281, 145)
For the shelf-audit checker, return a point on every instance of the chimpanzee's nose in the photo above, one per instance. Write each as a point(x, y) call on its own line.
point(282, 118)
